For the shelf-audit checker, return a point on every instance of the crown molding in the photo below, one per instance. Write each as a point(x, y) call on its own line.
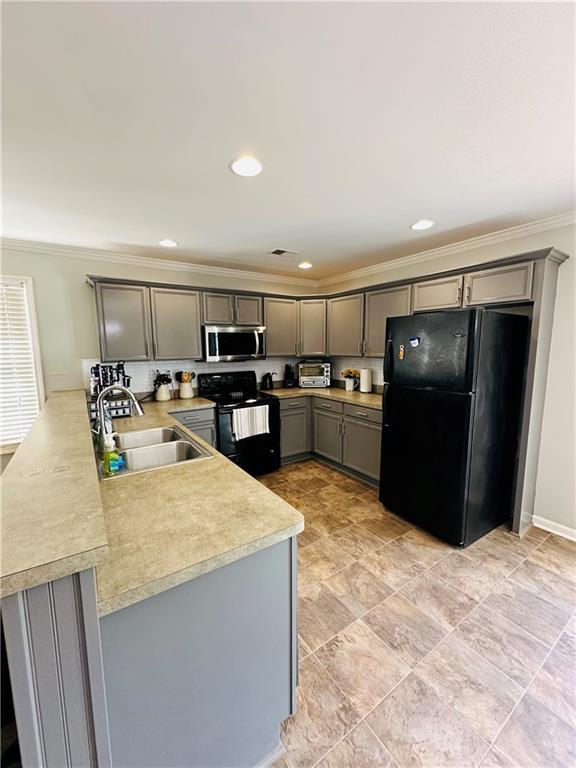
point(113, 257)
point(493, 238)
point(95, 254)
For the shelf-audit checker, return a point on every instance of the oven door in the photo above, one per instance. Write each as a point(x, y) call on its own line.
point(256, 455)
point(229, 343)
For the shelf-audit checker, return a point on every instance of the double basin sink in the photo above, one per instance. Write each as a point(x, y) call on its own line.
point(156, 448)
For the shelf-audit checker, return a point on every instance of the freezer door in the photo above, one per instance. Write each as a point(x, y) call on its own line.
point(434, 349)
point(423, 472)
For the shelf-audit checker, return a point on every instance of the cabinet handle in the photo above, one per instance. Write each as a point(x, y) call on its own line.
point(468, 294)
point(343, 427)
point(459, 299)
point(293, 405)
point(360, 413)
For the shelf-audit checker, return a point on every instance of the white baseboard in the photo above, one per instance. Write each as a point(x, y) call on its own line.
point(271, 757)
point(549, 525)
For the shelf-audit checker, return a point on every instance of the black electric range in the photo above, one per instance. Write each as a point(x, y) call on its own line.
point(259, 454)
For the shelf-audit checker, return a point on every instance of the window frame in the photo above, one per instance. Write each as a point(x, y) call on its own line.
point(28, 284)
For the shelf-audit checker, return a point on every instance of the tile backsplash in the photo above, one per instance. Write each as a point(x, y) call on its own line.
point(143, 373)
point(376, 364)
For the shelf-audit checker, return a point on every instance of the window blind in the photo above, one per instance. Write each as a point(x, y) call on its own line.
point(19, 398)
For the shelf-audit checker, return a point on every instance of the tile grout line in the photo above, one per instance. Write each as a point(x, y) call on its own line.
point(508, 576)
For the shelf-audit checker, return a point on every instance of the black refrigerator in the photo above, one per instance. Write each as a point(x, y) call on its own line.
point(451, 409)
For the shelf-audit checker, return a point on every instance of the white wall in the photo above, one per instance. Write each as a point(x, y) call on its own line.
point(66, 309)
point(555, 501)
point(67, 329)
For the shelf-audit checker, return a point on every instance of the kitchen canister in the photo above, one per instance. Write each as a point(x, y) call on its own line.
point(365, 380)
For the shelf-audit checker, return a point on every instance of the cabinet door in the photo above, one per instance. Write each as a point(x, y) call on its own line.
point(499, 285)
point(176, 324)
point(124, 322)
point(207, 432)
point(281, 319)
point(437, 294)
point(361, 443)
point(248, 310)
point(294, 431)
point(345, 321)
point(380, 305)
point(218, 308)
point(312, 327)
point(327, 437)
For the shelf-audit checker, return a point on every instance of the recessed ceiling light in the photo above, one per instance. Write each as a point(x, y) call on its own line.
point(168, 243)
point(422, 224)
point(246, 166)
point(304, 265)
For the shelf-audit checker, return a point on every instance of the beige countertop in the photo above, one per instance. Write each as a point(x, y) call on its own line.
point(368, 400)
point(52, 523)
point(144, 532)
point(167, 526)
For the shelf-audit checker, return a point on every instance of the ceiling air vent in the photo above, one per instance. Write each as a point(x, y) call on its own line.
point(283, 252)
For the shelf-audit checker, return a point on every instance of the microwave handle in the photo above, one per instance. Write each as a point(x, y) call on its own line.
point(255, 343)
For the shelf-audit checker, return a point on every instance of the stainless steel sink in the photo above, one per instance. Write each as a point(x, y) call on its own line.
point(156, 448)
point(146, 437)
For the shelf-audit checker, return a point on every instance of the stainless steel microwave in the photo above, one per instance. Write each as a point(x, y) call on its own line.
point(226, 343)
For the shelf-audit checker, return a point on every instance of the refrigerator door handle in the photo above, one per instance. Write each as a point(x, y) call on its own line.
point(386, 356)
point(384, 405)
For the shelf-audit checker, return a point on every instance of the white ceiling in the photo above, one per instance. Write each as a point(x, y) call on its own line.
point(119, 120)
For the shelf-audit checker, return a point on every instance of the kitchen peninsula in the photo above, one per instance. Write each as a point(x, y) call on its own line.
point(157, 608)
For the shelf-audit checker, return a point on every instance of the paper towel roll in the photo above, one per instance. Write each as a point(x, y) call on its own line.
point(365, 380)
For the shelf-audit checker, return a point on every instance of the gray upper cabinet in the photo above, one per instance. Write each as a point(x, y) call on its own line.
point(361, 446)
point(445, 293)
point(499, 285)
point(218, 308)
point(379, 305)
point(327, 434)
point(281, 320)
point(345, 325)
point(124, 322)
point(247, 310)
point(227, 309)
point(176, 324)
point(312, 327)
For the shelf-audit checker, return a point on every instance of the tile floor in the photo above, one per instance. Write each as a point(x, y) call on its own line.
point(413, 653)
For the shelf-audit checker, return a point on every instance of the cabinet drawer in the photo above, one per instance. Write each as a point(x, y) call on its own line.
point(189, 418)
point(328, 405)
point(364, 414)
point(292, 403)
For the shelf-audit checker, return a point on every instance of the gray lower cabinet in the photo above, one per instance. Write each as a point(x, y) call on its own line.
point(201, 421)
point(380, 305)
point(124, 322)
point(349, 435)
point(499, 285)
point(204, 673)
point(361, 441)
point(327, 432)
point(312, 327)
point(294, 426)
point(281, 320)
point(175, 324)
point(345, 325)
point(444, 293)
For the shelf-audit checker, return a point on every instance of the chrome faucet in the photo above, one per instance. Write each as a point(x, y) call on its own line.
point(100, 406)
